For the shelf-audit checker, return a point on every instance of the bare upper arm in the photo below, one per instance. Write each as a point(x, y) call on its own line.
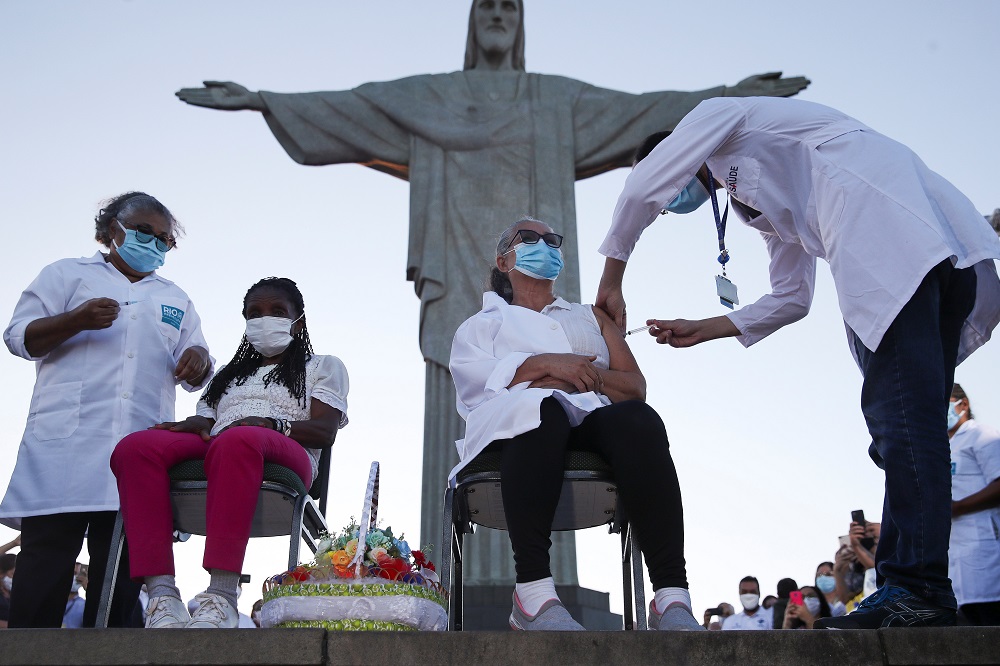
point(619, 355)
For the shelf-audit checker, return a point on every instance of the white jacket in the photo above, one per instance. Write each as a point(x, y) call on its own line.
point(96, 387)
point(486, 351)
point(827, 187)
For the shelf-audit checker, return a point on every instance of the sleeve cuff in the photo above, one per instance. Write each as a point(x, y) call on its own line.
point(505, 370)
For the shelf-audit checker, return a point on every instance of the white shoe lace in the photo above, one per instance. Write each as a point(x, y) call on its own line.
point(158, 611)
point(212, 609)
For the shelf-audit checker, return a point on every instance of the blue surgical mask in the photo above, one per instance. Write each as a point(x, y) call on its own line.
point(538, 260)
point(141, 257)
point(826, 583)
point(953, 416)
point(689, 199)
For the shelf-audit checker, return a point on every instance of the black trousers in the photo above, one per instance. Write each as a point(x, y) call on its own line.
point(50, 546)
point(630, 436)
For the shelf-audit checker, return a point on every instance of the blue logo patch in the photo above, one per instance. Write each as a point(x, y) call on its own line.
point(172, 316)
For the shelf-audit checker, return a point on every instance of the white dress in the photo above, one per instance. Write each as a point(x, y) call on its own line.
point(326, 381)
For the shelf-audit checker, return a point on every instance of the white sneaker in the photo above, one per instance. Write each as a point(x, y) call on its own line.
point(214, 612)
point(166, 613)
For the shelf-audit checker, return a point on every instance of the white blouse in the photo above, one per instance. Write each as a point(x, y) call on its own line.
point(326, 381)
point(486, 352)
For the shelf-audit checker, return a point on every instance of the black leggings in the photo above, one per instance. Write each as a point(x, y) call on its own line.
point(630, 436)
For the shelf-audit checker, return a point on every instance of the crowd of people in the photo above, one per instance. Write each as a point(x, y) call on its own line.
point(840, 586)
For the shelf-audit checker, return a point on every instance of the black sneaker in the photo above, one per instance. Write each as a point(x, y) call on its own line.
point(892, 606)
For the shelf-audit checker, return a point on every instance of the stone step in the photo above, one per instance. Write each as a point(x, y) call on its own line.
point(316, 647)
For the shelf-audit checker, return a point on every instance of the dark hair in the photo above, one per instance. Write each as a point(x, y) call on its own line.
point(647, 145)
point(786, 585)
point(824, 606)
point(290, 372)
point(958, 394)
point(498, 281)
point(124, 206)
point(472, 44)
point(829, 564)
point(750, 579)
point(8, 561)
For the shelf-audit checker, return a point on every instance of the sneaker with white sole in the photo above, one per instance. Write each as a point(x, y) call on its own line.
point(552, 616)
point(676, 617)
point(214, 612)
point(166, 613)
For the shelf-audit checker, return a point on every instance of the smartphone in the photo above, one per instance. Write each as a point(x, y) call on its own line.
point(795, 597)
point(713, 611)
point(858, 516)
point(844, 540)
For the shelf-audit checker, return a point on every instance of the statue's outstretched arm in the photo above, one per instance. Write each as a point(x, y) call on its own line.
point(768, 85)
point(222, 95)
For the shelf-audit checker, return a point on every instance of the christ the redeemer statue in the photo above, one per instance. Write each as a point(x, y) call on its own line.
point(480, 148)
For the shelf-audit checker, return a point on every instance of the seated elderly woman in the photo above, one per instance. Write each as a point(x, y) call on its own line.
point(536, 376)
point(275, 401)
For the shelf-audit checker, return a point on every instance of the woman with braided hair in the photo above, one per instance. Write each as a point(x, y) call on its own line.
point(275, 401)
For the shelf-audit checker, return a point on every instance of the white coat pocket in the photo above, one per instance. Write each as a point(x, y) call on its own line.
point(56, 412)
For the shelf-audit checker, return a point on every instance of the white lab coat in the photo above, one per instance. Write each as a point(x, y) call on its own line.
point(96, 387)
point(486, 351)
point(974, 553)
point(827, 187)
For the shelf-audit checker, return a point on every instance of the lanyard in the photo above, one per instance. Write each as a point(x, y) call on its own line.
point(720, 222)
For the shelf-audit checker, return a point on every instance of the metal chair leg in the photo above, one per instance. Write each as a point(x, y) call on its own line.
point(111, 574)
point(639, 584)
point(627, 577)
point(456, 593)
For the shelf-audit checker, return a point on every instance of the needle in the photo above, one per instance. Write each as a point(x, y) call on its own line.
point(641, 328)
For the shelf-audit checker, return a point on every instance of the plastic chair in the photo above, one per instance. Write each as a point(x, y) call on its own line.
point(284, 507)
point(589, 498)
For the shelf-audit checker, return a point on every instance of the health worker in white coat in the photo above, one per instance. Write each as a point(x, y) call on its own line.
point(912, 262)
point(111, 339)
point(536, 376)
point(975, 508)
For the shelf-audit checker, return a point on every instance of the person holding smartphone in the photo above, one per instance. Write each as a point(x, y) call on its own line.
point(805, 606)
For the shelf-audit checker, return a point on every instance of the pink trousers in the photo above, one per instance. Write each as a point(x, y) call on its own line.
point(234, 466)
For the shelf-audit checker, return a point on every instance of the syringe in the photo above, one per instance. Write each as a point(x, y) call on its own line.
point(637, 330)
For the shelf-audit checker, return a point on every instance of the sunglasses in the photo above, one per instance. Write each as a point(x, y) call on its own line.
point(529, 237)
point(144, 234)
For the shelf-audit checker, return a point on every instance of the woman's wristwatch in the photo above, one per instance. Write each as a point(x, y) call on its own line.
point(284, 426)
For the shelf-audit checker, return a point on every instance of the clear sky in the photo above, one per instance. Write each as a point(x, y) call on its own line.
point(769, 442)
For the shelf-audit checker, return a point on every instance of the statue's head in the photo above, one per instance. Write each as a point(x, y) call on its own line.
point(496, 27)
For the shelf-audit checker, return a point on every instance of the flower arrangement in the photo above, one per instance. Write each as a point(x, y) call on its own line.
point(384, 556)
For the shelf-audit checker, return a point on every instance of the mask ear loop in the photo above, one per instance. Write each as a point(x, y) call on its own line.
point(513, 249)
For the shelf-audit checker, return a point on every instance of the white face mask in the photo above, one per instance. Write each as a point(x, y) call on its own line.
point(812, 605)
point(7, 582)
point(270, 335)
point(750, 601)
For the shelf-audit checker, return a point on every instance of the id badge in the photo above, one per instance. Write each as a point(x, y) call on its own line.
point(726, 291)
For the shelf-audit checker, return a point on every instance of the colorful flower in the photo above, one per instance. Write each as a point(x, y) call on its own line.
point(392, 568)
point(351, 547)
point(339, 558)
